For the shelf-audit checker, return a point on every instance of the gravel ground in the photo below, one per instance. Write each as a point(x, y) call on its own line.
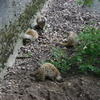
point(62, 16)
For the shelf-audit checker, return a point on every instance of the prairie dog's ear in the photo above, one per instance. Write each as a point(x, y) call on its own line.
point(61, 80)
point(42, 13)
point(27, 30)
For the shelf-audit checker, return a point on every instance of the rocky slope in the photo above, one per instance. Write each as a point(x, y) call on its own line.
point(62, 16)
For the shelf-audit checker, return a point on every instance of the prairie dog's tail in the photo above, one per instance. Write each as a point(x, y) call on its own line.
point(40, 36)
point(66, 44)
point(36, 73)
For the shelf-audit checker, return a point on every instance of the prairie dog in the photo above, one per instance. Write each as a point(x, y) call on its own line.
point(30, 35)
point(41, 21)
point(49, 70)
point(72, 40)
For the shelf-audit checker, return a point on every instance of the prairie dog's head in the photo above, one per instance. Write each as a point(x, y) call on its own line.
point(41, 21)
point(59, 78)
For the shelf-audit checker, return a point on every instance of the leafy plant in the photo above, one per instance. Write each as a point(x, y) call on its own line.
point(89, 50)
point(79, 2)
point(87, 53)
point(27, 55)
point(86, 2)
point(60, 60)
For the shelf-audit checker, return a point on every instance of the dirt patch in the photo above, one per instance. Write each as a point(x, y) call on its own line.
point(75, 87)
point(62, 16)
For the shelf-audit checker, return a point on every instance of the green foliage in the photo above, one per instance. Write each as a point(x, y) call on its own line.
point(42, 62)
point(85, 68)
point(90, 42)
point(60, 60)
point(86, 2)
point(87, 53)
point(27, 55)
point(79, 2)
point(9, 33)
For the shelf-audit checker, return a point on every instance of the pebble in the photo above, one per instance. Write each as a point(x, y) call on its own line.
point(70, 16)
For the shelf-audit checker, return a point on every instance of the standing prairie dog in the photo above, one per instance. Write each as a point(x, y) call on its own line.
point(30, 35)
point(41, 21)
point(49, 70)
point(72, 40)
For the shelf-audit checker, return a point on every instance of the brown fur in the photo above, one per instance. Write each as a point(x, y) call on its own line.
point(32, 33)
point(49, 70)
point(72, 40)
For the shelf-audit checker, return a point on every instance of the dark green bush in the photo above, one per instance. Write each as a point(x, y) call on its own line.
point(87, 53)
point(89, 50)
point(86, 2)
